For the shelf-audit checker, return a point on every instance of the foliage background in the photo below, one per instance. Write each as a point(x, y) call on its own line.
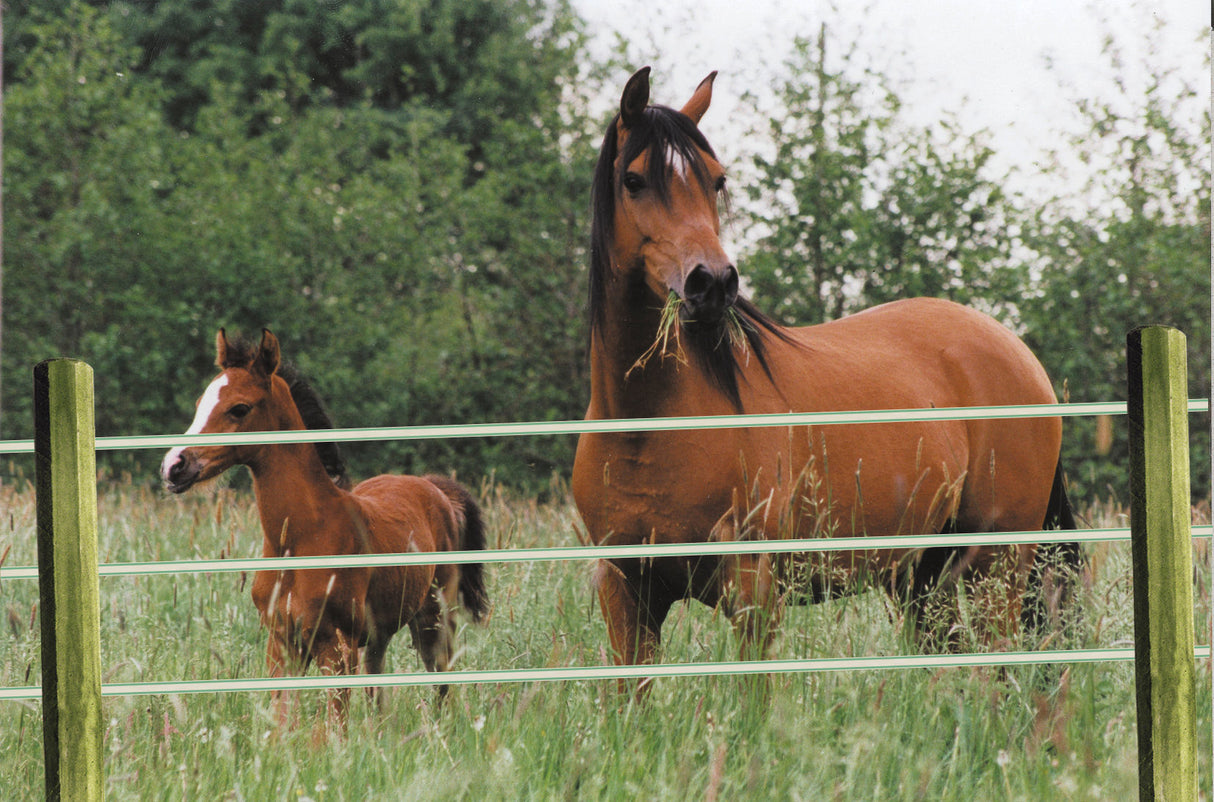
point(399, 189)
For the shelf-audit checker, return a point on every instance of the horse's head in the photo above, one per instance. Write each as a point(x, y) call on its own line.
point(657, 185)
point(247, 396)
point(656, 225)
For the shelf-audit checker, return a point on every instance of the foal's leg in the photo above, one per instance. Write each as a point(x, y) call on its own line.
point(337, 655)
point(433, 635)
point(634, 621)
point(373, 663)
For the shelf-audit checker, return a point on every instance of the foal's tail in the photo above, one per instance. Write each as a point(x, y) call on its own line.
point(471, 537)
point(1056, 566)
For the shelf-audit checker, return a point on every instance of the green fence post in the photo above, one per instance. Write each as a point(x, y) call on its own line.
point(1160, 523)
point(65, 467)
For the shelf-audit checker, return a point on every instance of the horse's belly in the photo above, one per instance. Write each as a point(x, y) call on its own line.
point(777, 484)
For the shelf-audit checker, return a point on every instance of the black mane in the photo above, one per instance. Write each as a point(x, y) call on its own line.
point(315, 416)
point(662, 130)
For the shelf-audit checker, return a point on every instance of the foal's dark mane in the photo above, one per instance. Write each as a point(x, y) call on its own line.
point(315, 416)
point(240, 353)
point(662, 130)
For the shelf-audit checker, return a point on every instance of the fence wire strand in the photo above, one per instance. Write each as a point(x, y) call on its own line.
point(606, 552)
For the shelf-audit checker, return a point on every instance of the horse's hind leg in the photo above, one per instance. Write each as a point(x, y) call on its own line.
point(926, 589)
point(992, 582)
point(999, 579)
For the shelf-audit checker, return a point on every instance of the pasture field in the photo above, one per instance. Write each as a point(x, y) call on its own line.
point(1027, 733)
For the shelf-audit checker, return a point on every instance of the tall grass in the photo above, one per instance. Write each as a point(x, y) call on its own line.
point(1022, 733)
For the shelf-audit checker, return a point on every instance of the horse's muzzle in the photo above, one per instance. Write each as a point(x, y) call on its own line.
point(708, 293)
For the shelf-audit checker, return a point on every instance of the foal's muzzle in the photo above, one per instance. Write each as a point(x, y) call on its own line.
point(707, 293)
point(180, 473)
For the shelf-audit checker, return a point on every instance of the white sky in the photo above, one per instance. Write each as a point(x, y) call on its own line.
point(983, 61)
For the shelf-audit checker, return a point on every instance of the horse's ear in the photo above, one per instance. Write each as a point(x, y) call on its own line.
point(268, 354)
point(635, 98)
point(700, 99)
point(221, 350)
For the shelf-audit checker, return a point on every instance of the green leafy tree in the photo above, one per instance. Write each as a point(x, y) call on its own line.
point(1140, 254)
point(858, 208)
point(421, 259)
point(84, 152)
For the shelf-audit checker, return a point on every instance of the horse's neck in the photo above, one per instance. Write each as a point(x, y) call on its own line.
point(295, 497)
point(631, 379)
point(619, 386)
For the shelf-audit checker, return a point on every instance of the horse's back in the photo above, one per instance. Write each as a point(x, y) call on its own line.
point(921, 353)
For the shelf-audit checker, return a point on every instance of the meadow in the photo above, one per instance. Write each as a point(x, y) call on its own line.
point(1033, 732)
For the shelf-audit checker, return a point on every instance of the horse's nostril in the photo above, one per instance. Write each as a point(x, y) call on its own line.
point(697, 284)
point(730, 283)
point(708, 292)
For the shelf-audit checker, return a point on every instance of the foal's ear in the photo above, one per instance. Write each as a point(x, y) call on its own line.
point(700, 99)
point(635, 98)
point(221, 350)
point(268, 354)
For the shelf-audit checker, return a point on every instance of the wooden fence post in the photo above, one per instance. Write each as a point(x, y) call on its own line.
point(65, 468)
point(1160, 523)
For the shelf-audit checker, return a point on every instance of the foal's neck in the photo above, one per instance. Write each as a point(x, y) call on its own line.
point(296, 499)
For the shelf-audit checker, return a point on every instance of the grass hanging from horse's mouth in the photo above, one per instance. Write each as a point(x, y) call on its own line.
point(670, 325)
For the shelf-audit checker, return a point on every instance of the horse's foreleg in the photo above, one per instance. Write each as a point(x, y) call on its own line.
point(749, 596)
point(747, 590)
point(634, 620)
point(276, 666)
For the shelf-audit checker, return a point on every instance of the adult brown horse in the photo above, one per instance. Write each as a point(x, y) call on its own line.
point(321, 615)
point(672, 336)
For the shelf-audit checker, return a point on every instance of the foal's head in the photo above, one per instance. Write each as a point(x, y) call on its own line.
point(250, 394)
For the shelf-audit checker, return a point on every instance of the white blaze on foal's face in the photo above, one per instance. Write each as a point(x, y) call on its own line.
point(206, 405)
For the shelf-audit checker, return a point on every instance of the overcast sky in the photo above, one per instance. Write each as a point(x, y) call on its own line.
point(983, 61)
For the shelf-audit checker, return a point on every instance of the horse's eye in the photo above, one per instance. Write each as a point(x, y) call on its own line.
point(634, 183)
point(720, 184)
point(239, 411)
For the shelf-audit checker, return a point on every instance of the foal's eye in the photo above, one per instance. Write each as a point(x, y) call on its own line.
point(239, 411)
point(720, 184)
point(634, 183)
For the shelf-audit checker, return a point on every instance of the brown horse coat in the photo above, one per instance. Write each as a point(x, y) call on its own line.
point(657, 233)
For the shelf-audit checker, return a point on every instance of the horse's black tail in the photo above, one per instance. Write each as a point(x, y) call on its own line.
point(471, 537)
point(1056, 566)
